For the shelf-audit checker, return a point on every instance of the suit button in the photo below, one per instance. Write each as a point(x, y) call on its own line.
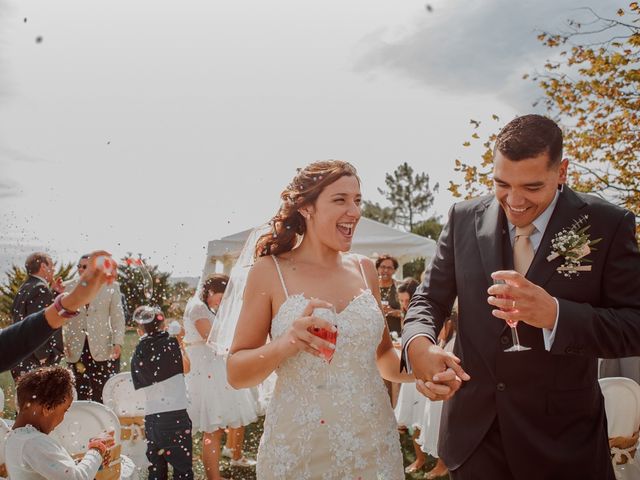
point(504, 340)
point(569, 350)
point(501, 387)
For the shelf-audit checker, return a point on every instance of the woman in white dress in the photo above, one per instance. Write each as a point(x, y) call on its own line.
point(428, 438)
point(330, 416)
point(213, 404)
point(411, 403)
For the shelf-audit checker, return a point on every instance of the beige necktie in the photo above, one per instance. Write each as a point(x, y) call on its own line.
point(523, 248)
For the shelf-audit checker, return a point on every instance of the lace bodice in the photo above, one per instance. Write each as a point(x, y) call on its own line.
point(355, 346)
point(332, 421)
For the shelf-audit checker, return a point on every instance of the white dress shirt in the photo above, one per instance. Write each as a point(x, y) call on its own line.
point(32, 455)
point(166, 396)
point(541, 223)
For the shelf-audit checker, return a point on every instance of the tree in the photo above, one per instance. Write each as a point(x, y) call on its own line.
point(595, 92)
point(378, 213)
point(429, 228)
point(179, 295)
point(142, 284)
point(13, 281)
point(591, 89)
point(409, 195)
point(410, 198)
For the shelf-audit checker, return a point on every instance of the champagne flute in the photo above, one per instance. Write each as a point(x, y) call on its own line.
point(328, 314)
point(513, 325)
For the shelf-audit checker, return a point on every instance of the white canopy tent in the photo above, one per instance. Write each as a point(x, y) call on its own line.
point(371, 239)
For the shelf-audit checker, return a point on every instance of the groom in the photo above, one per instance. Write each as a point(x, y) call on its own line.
point(535, 414)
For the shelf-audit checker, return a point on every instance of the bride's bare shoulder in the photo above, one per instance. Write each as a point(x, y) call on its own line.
point(367, 265)
point(262, 265)
point(263, 271)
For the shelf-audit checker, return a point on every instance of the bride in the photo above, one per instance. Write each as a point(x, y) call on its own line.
point(326, 420)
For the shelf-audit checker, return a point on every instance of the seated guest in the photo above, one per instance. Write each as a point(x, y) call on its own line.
point(158, 365)
point(44, 395)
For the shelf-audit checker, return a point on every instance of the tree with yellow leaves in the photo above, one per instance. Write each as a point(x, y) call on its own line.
point(592, 91)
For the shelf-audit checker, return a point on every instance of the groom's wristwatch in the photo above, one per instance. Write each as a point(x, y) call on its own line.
point(63, 312)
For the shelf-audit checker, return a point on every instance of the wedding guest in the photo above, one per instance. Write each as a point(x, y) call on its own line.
point(213, 404)
point(329, 416)
point(537, 413)
point(386, 265)
point(93, 340)
point(43, 396)
point(405, 291)
point(37, 292)
point(411, 403)
point(430, 421)
point(20, 340)
point(158, 365)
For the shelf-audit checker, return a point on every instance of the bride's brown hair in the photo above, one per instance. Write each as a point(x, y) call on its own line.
point(303, 190)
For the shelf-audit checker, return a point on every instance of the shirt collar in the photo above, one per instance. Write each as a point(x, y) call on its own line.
point(41, 279)
point(542, 220)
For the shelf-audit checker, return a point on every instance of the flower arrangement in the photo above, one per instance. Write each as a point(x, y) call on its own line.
point(573, 244)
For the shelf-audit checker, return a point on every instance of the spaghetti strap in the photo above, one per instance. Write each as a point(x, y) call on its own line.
point(364, 277)
point(284, 287)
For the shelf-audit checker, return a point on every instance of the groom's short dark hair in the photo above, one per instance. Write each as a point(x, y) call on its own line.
point(529, 136)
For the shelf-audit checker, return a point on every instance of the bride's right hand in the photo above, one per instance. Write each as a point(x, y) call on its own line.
point(298, 338)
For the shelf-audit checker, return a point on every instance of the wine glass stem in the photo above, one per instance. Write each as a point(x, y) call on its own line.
point(514, 335)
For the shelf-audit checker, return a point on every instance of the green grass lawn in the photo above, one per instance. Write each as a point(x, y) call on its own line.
point(252, 435)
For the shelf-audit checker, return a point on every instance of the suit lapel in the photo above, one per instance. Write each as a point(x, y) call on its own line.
point(489, 233)
point(566, 211)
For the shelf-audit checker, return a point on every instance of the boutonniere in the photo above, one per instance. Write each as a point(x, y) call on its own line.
point(573, 244)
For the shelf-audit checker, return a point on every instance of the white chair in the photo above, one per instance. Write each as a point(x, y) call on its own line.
point(128, 404)
point(622, 405)
point(85, 420)
point(4, 431)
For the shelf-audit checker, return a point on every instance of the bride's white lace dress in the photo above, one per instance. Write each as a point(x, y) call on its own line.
point(331, 421)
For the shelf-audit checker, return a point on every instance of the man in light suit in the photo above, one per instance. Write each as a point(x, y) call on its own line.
point(535, 414)
point(93, 339)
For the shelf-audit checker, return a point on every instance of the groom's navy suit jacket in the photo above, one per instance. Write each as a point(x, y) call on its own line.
point(548, 404)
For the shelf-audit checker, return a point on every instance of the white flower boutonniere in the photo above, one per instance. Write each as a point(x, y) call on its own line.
point(573, 244)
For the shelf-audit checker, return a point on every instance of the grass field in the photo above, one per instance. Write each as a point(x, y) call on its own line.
point(252, 436)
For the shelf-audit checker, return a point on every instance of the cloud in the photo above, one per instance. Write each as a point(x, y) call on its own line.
point(9, 188)
point(475, 47)
point(18, 155)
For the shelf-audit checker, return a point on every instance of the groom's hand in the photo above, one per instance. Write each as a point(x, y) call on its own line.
point(438, 373)
point(520, 300)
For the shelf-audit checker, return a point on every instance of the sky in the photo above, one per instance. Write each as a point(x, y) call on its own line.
point(155, 126)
